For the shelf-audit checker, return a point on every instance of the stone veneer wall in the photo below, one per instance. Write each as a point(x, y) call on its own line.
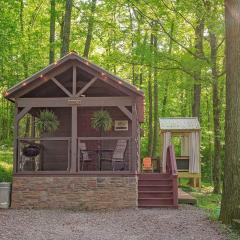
point(79, 192)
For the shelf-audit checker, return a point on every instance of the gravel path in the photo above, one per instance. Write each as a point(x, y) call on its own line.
point(129, 224)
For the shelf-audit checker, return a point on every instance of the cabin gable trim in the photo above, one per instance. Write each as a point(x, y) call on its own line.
point(68, 61)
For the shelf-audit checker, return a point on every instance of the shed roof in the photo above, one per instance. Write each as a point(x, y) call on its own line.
point(179, 123)
point(10, 94)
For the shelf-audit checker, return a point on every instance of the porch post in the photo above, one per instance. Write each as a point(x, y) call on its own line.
point(15, 147)
point(74, 140)
point(134, 136)
point(18, 116)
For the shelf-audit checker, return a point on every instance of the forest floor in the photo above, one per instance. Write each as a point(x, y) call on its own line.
point(185, 223)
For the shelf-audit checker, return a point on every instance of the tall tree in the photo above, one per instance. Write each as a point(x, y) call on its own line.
point(150, 114)
point(231, 183)
point(66, 28)
point(197, 73)
point(24, 55)
point(150, 101)
point(166, 82)
point(52, 32)
point(155, 96)
point(90, 29)
point(216, 115)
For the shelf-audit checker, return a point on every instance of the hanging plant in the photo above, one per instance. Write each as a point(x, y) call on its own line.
point(101, 121)
point(47, 122)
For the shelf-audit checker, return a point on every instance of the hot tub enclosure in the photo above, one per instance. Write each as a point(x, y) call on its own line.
point(188, 161)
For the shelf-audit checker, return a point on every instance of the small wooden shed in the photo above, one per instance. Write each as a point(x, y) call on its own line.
point(188, 130)
point(76, 156)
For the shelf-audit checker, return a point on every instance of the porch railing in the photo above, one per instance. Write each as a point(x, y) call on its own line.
point(43, 154)
point(97, 154)
point(171, 167)
point(54, 154)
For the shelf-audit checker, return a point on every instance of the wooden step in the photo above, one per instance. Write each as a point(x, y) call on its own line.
point(162, 187)
point(155, 201)
point(154, 181)
point(153, 176)
point(157, 206)
point(155, 194)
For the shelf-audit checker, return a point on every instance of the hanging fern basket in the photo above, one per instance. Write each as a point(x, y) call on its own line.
point(47, 122)
point(101, 121)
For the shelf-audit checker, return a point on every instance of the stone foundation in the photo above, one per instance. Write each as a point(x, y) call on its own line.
point(74, 192)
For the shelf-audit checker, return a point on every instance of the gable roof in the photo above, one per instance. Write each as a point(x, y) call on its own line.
point(179, 123)
point(10, 94)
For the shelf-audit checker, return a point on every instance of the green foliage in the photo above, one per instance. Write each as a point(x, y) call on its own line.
point(121, 43)
point(6, 160)
point(210, 202)
point(101, 121)
point(47, 122)
point(205, 198)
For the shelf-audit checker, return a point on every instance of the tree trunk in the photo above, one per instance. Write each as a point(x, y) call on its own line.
point(155, 93)
point(66, 28)
point(166, 84)
point(25, 62)
point(52, 32)
point(150, 102)
point(150, 114)
point(216, 116)
point(90, 29)
point(197, 73)
point(231, 183)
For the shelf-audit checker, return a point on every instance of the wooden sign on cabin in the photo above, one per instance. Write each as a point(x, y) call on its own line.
point(74, 101)
point(121, 125)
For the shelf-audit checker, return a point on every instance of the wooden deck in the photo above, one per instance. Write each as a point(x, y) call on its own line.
point(186, 198)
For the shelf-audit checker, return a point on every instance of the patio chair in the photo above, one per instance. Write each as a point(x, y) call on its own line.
point(118, 154)
point(147, 165)
point(84, 155)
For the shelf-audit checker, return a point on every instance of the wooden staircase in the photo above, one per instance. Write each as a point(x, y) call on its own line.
point(159, 189)
point(156, 190)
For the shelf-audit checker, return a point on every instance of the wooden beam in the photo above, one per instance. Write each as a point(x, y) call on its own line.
point(113, 83)
point(134, 135)
point(74, 86)
point(22, 113)
point(74, 140)
point(90, 83)
point(103, 138)
point(79, 101)
point(44, 138)
point(61, 86)
point(18, 117)
point(126, 111)
point(31, 85)
point(15, 146)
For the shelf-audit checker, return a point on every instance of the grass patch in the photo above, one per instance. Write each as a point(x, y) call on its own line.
point(205, 198)
point(210, 202)
point(6, 164)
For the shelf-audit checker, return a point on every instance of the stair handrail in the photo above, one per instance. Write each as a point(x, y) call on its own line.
point(171, 164)
point(171, 168)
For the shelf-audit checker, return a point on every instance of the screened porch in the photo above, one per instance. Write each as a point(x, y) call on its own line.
point(54, 120)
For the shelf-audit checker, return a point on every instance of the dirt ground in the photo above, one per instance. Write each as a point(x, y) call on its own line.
point(187, 222)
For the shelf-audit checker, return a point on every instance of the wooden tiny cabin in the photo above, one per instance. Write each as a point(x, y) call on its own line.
point(73, 89)
point(76, 165)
